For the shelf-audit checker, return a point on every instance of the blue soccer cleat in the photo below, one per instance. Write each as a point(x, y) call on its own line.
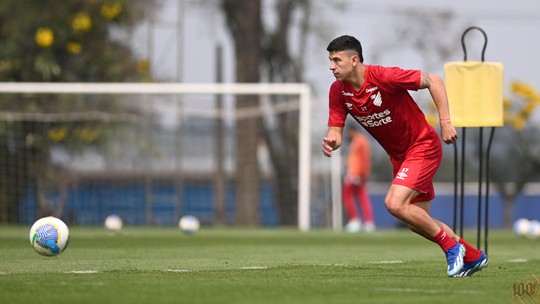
point(454, 257)
point(470, 268)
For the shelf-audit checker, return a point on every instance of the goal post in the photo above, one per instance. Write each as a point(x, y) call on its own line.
point(176, 89)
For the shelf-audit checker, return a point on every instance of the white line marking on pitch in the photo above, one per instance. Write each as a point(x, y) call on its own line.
point(518, 261)
point(387, 262)
point(177, 270)
point(3, 273)
point(83, 271)
point(254, 267)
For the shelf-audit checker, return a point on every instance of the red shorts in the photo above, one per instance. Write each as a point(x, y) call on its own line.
point(417, 171)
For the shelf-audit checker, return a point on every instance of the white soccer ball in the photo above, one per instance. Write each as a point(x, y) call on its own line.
point(534, 229)
point(189, 224)
point(49, 236)
point(113, 223)
point(522, 226)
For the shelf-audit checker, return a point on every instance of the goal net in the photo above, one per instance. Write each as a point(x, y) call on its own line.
point(230, 154)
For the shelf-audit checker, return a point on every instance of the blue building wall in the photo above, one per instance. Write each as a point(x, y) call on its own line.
point(90, 204)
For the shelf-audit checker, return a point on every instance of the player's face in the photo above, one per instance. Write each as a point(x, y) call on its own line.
point(341, 64)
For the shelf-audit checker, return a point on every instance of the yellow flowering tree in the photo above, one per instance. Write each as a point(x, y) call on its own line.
point(516, 147)
point(58, 41)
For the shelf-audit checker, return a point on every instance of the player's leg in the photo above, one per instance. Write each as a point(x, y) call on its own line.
point(365, 206)
point(399, 203)
point(354, 224)
point(427, 206)
point(474, 259)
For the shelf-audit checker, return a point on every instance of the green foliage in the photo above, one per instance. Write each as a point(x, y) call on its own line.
point(68, 40)
point(61, 41)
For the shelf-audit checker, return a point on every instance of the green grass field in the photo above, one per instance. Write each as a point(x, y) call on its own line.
point(161, 265)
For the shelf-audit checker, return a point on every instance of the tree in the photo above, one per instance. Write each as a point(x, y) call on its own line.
point(265, 52)
point(58, 41)
point(243, 19)
point(516, 152)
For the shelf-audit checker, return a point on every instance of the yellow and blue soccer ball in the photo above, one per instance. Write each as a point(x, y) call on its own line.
point(49, 236)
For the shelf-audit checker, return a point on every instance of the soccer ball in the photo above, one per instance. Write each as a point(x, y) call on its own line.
point(113, 223)
point(49, 236)
point(189, 224)
point(522, 226)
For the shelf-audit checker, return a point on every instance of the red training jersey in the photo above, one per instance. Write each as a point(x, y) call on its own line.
point(384, 107)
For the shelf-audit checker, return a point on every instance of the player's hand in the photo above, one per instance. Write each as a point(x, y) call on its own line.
point(328, 145)
point(448, 132)
point(355, 180)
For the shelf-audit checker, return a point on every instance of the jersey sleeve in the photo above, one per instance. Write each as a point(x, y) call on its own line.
point(397, 78)
point(337, 112)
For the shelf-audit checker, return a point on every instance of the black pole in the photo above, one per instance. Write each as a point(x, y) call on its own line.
point(480, 172)
point(486, 221)
point(462, 185)
point(454, 224)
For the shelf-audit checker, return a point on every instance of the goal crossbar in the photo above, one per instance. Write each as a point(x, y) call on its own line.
point(301, 89)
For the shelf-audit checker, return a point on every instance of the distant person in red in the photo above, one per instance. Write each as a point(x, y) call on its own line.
point(355, 183)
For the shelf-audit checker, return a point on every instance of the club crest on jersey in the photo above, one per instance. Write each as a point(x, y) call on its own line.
point(402, 174)
point(349, 106)
point(377, 99)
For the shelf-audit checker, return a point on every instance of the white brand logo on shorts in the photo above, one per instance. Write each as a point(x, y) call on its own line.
point(402, 174)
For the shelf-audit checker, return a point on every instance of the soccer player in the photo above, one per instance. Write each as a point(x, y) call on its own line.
point(378, 99)
point(355, 183)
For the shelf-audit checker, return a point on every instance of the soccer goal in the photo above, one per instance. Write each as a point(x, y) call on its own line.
point(152, 152)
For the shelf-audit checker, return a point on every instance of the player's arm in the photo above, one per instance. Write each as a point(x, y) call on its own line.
point(332, 140)
point(436, 88)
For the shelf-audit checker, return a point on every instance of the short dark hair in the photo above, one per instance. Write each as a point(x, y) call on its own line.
point(346, 43)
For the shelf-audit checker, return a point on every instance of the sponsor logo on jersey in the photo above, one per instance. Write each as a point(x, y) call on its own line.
point(375, 119)
point(371, 89)
point(402, 174)
point(347, 93)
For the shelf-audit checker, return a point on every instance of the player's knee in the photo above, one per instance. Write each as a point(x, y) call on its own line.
point(394, 206)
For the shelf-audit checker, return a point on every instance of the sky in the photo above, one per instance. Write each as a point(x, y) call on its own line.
point(511, 27)
point(512, 30)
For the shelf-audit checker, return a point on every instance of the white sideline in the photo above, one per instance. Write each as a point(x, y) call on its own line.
point(177, 270)
point(83, 271)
